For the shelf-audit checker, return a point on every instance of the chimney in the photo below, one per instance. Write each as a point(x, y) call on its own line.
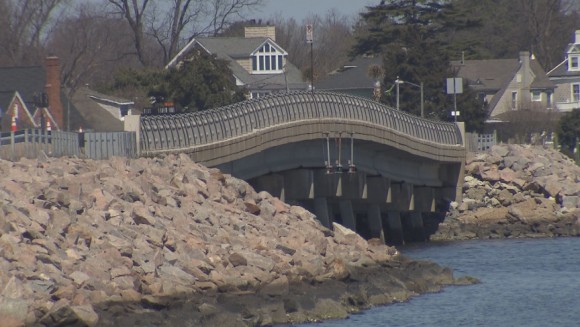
point(260, 31)
point(577, 39)
point(52, 89)
point(525, 57)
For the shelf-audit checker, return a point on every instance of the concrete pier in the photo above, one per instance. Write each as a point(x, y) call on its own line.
point(375, 222)
point(321, 211)
point(394, 228)
point(347, 214)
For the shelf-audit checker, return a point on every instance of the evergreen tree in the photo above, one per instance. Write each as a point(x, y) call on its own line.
point(569, 131)
point(411, 36)
point(199, 83)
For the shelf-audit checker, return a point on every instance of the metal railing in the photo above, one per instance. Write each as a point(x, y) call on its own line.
point(193, 129)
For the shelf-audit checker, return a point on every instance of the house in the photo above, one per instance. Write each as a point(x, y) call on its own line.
point(30, 97)
point(508, 85)
point(257, 62)
point(566, 76)
point(99, 112)
point(353, 78)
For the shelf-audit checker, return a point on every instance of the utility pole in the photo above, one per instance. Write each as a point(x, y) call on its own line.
point(310, 39)
point(397, 82)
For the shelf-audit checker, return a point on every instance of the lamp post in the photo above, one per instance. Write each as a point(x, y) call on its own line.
point(420, 86)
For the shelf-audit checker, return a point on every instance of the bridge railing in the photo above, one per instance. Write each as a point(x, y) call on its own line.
point(191, 129)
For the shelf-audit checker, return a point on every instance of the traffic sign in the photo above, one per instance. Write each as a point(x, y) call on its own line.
point(309, 34)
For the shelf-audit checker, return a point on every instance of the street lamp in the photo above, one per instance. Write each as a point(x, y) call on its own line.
point(420, 86)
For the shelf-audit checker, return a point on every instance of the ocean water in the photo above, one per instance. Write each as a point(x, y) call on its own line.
point(526, 282)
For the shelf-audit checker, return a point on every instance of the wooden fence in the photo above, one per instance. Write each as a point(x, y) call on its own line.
point(30, 143)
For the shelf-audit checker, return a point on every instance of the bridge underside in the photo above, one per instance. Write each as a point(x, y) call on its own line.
point(375, 190)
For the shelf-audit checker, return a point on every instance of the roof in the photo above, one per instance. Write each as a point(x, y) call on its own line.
point(28, 81)
point(487, 75)
point(541, 81)
point(5, 99)
point(561, 70)
point(353, 75)
point(232, 48)
point(90, 115)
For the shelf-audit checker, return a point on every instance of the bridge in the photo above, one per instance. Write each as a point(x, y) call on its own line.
point(370, 167)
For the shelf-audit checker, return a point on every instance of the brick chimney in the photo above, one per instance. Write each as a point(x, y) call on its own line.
point(52, 89)
point(577, 39)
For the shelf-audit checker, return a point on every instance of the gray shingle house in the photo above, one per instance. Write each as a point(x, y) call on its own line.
point(566, 76)
point(257, 62)
point(508, 84)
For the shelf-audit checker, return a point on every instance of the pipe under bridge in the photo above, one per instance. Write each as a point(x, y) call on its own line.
point(352, 160)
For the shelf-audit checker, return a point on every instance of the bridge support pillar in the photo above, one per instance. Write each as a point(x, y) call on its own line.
point(415, 230)
point(347, 215)
point(375, 222)
point(327, 184)
point(424, 199)
point(354, 185)
point(379, 190)
point(321, 211)
point(299, 184)
point(273, 184)
point(403, 197)
point(394, 228)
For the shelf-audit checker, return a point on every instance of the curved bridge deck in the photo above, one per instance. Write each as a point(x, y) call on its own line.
point(229, 133)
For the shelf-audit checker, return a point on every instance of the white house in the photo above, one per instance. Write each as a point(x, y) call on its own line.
point(257, 62)
point(566, 76)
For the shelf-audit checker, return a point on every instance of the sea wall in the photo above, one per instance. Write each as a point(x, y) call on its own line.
point(515, 191)
point(167, 242)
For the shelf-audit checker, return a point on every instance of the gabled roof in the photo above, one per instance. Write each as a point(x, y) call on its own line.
point(5, 99)
point(225, 47)
point(91, 114)
point(561, 70)
point(26, 80)
point(541, 80)
point(493, 74)
point(232, 48)
point(487, 75)
point(353, 75)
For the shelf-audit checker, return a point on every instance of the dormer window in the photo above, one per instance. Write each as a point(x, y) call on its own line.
point(574, 62)
point(268, 59)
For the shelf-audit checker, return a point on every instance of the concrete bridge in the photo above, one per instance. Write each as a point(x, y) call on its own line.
point(371, 168)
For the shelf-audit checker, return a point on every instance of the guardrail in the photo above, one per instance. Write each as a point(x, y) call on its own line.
point(193, 129)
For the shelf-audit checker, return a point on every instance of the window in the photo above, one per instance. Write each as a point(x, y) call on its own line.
point(514, 99)
point(268, 60)
point(574, 63)
point(536, 96)
point(575, 92)
point(549, 100)
point(257, 95)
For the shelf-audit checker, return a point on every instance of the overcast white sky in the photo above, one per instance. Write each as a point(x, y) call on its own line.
point(300, 9)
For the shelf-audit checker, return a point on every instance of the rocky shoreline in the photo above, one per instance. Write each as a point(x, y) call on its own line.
point(161, 242)
point(515, 191)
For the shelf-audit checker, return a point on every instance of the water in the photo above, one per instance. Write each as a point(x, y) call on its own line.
point(532, 282)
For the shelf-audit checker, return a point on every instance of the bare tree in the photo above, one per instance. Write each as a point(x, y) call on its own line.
point(333, 39)
point(181, 20)
point(546, 28)
point(134, 13)
point(23, 26)
point(90, 46)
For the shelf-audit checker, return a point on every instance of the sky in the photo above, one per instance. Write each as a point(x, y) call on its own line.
point(300, 9)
